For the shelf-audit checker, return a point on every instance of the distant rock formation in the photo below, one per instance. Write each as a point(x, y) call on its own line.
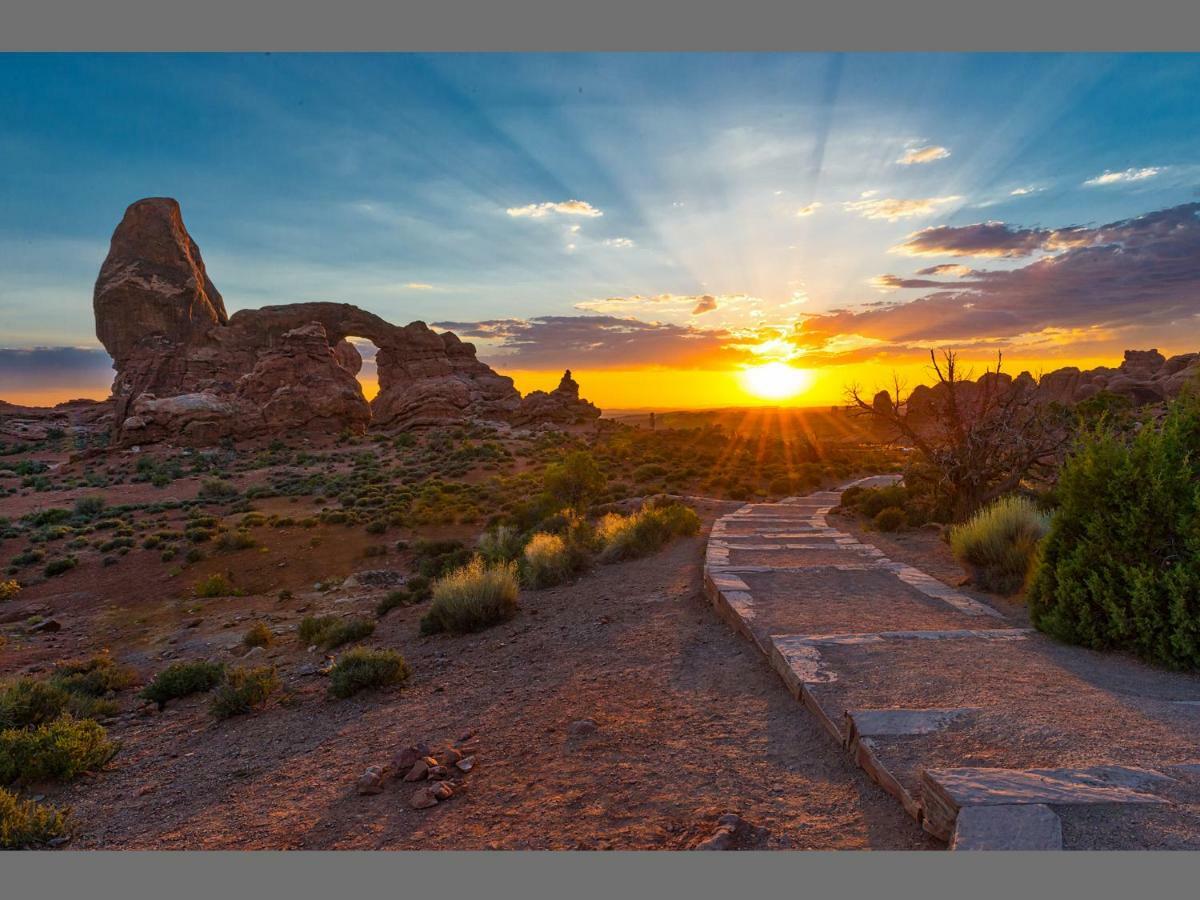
point(562, 405)
point(186, 369)
point(1144, 377)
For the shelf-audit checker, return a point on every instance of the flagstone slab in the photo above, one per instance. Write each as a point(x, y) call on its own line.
point(1033, 826)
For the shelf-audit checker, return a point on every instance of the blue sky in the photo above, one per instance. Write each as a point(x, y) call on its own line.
point(438, 187)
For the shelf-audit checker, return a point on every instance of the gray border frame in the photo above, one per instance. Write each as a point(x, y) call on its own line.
point(601, 25)
point(533, 25)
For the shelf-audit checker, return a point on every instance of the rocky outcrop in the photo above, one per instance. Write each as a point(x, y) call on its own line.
point(186, 368)
point(153, 284)
point(561, 406)
point(1144, 377)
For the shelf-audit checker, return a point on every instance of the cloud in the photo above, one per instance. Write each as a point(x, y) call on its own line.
point(51, 369)
point(1135, 273)
point(946, 269)
point(1127, 175)
point(620, 242)
point(927, 154)
point(418, 286)
point(893, 282)
point(707, 303)
point(1022, 191)
point(598, 342)
point(993, 239)
point(808, 210)
point(892, 209)
point(562, 208)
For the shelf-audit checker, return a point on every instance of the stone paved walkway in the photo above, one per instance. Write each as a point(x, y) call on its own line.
point(990, 735)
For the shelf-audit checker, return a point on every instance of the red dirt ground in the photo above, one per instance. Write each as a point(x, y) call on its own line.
point(691, 723)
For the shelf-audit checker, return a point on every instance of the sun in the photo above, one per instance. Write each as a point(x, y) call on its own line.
point(775, 380)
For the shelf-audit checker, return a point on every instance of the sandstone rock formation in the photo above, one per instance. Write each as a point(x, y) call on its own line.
point(184, 368)
point(562, 405)
point(1144, 377)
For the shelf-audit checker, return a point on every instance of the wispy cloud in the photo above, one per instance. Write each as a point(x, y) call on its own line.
point(809, 209)
point(1125, 176)
point(620, 242)
point(927, 154)
point(893, 209)
point(561, 208)
point(418, 286)
point(707, 303)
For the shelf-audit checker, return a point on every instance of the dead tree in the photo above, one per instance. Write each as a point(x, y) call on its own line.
point(976, 440)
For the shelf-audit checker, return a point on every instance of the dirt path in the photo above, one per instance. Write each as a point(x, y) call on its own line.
point(691, 724)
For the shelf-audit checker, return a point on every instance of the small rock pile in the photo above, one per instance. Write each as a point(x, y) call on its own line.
point(734, 833)
point(440, 773)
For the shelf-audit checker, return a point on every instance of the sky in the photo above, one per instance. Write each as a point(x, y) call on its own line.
point(661, 224)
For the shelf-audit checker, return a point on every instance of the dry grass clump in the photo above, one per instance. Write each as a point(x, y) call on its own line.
point(24, 823)
point(473, 597)
point(548, 560)
point(643, 532)
point(998, 543)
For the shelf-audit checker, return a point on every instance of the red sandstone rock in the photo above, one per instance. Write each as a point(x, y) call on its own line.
point(187, 370)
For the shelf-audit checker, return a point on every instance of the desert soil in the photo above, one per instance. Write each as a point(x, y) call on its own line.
point(691, 725)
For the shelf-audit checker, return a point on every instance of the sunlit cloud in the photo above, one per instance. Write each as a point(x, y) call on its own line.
point(946, 269)
point(809, 209)
point(707, 303)
point(562, 208)
point(619, 242)
point(893, 209)
point(990, 239)
point(1142, 272)
point(418, 286)
point(927, 154)
point(1125, 176)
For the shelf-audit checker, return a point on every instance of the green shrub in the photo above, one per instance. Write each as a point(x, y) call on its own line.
point(1120, 567)
point(216, 489)
point(472, 598)
point(28, 702)
point(242, 690)
point(394, 600)
point(890, 518)
point(215, 585)
point(999, 542)
point(182, 679)
point(363, 668)
point(236, 540)
point(328, 632)
point(26, 822)
point(258, 635)
point(90, 507)
point(501, 544)
point(575, 481)
point(55, 751)
point(60, 565)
